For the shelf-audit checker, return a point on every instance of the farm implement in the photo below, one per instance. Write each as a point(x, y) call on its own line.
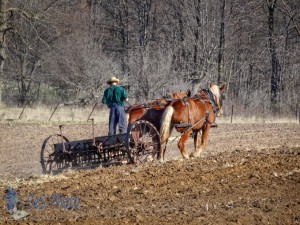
point(140, 144)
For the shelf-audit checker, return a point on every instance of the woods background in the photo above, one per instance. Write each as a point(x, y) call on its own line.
point(55, 51)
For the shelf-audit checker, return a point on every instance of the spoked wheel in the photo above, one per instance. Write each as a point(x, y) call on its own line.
point(50, 159)
point(142, 142)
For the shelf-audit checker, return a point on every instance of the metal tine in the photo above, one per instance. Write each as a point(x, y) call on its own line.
point(93, 130)
point(62, 137)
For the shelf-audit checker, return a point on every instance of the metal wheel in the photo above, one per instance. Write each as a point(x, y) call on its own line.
point(142, 142)
point(50, 159)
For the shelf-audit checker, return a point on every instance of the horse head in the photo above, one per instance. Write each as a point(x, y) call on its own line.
point(217, 92)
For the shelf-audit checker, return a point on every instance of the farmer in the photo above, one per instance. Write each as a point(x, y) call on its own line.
point(114, 97)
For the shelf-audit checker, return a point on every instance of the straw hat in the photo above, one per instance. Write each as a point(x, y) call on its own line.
point(112, 79)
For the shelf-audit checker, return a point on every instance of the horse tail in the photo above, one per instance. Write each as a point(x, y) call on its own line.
point(127, 117)
point(165, 129)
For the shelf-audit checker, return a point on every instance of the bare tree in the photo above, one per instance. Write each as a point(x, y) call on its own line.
point(221, 42)
point(72, 47)
point(23, 38)
point(276, 67)
point(151, 73)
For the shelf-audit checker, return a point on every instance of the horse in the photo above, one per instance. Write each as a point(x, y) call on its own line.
point(153, 111)
point(194, 114)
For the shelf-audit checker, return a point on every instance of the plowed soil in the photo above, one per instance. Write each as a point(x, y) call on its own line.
point(248, 174)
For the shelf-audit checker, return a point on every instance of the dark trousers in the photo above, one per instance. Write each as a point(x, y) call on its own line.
point(117, 116)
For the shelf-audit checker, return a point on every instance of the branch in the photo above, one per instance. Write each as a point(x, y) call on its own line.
point(21, 12)
point(291, 17)
point(29, 17)
point(26, 44)
point(4, 31)
point(50, 5)
point(40, 38)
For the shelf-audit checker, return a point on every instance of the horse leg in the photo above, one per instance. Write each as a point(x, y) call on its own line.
point(181, 146)
point(204, 137)
point(163, 151)
point(197, 151)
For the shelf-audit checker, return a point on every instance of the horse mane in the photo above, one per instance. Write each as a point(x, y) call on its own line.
point(215, 89)
point(205, 94)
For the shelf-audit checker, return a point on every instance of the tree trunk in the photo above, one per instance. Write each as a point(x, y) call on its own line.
point(221, 43)
point(276, 68)
point(3, 28)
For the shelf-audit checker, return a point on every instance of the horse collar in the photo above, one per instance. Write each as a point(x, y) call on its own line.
point(210, 96)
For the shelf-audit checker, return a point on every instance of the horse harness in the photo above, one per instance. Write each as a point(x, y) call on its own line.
point(210, 100)
point(148, 106)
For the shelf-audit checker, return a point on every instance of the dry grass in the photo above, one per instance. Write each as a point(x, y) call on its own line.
point(256, 119)
point(80, 115)
point(43, 114)
point(35, 180)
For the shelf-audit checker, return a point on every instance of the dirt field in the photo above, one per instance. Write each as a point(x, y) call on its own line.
point(249, 174)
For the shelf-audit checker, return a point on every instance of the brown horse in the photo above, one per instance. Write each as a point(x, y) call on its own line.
point(192, 115)
point(152, 111)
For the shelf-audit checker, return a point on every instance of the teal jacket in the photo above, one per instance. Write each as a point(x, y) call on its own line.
point(114, 94)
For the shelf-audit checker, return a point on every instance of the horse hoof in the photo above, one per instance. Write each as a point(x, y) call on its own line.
point(186, 157)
